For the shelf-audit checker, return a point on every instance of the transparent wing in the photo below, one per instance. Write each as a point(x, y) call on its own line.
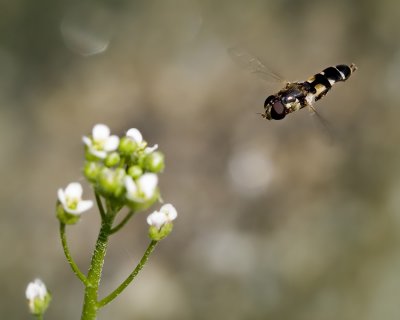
point(325, 125)
point(251, 63)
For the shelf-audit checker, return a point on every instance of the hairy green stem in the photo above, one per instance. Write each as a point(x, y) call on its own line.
point(132, 276)
point(90, 306)
point(100, 205)
point(70, 260)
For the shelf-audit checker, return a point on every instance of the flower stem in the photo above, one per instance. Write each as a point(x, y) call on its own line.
point(90, 306)
point(132, 276)
point(100, 206)
point(70, 260)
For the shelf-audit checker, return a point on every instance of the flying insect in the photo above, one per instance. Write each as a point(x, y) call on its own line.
point(295, 95)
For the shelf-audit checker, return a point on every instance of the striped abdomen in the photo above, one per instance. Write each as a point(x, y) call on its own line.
point(322, 82)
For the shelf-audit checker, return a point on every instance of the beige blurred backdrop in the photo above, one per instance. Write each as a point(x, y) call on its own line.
point(277, 220)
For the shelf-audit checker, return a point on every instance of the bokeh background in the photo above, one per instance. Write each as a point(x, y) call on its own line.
point(277, 220)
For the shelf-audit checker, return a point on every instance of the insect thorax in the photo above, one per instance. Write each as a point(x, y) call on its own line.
point(292, 98)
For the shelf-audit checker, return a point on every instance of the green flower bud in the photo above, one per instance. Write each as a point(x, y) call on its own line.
point(112, 159)
point(111, 182)
point(127, 146)
point(159, 234)
point(65, 217)
point(89, 156)
point(135, 171)
point(154, 162)
point(139, 159)
point(91, 170)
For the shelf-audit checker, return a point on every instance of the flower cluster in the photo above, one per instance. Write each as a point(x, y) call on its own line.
point(126, 168)
point(122, 170)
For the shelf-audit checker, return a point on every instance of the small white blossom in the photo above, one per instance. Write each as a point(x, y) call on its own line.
point(157, 219)
point(35, 292)
point(166, 214)
point(148, 183)
point(36, 289)
point(71, 199)
point(136, 136)
point(101, 142)
point(170, 211)
point(142, 189)
point(149, 150)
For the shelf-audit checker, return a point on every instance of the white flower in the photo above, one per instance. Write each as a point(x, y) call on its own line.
point(136, 136)
point(36, 290)
point(170, 211)
point(157, 219)
point(149, 150)
point(71, 199)
point(36, 293)
point(142, 189)
point(148, 183)
point(101, 142)
point(166, 214)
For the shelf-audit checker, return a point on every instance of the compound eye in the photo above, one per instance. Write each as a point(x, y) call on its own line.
point(278, 111)
point(268, 101)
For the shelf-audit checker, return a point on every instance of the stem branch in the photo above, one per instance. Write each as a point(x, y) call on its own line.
point(70, 260)
point(132, 276)
point(100, 206)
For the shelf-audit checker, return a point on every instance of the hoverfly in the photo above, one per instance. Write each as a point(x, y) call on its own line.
point(295, 95)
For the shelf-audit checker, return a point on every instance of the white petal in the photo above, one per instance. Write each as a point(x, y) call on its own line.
point(87, 141)
point(100, 132)
point(83, 206)
point(98, 153)
point(170, 211)
point(147, 184)
point(157, 219)
point(73, 190)
point(130, 185)
point(135, 135)
point(31, 291)
point(151, 149)
point(61, 196)
point(131, 188)
point(36, 289)
point(41, 287)
point(71, 211)
point(111, 143)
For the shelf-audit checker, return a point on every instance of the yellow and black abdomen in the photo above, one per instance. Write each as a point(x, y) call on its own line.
point(322, 82)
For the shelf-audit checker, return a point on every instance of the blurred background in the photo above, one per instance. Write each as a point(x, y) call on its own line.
point(276, 219)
